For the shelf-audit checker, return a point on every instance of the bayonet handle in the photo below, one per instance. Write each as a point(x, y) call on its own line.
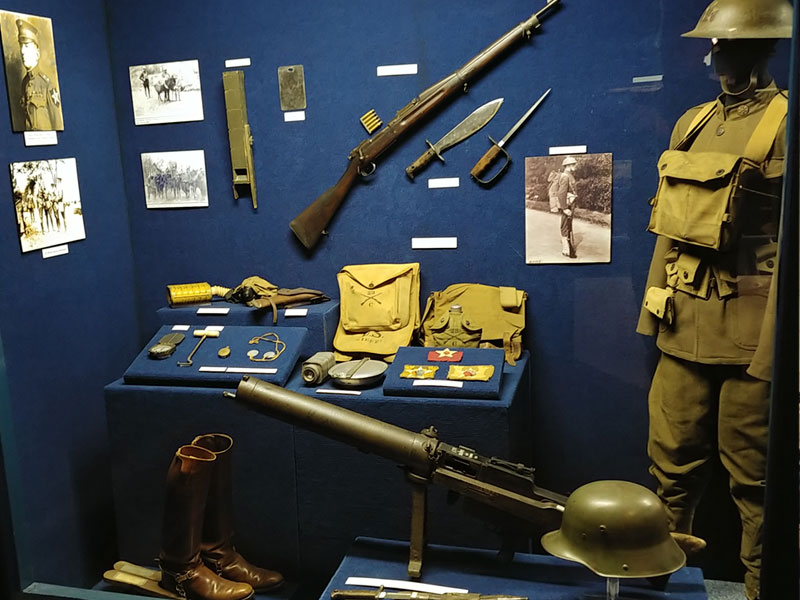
point(491, 155)
point(423, 160)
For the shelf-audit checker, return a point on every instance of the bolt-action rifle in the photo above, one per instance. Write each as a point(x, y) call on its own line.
point(309, 224)
point(498, 491)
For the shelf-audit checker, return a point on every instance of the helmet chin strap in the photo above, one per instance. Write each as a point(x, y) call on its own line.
point(748, 89)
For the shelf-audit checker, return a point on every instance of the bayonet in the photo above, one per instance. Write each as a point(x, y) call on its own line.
point(472, 124)
point(497, 147)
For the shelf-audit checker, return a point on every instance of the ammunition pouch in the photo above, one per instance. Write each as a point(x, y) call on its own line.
point(661, 302)
point(492, 317)
point(379, 309)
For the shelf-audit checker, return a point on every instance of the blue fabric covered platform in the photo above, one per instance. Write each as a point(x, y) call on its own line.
point(320, 319)
point(208, 369)
point(538, 577)
point(394, 385)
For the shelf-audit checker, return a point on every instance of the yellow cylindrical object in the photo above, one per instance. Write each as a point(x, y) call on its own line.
point(188, 293)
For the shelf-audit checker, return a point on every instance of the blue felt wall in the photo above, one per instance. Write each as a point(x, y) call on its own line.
point(68, 323)
point(590, 371)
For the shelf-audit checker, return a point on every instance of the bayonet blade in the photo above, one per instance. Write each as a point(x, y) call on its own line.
point(472, 124)
point(524, 118)
point(477, 119)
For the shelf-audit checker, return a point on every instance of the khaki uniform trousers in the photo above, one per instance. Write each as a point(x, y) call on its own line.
point(695, 410)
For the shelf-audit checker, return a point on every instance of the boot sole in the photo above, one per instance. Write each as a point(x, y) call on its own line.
point(143, 584)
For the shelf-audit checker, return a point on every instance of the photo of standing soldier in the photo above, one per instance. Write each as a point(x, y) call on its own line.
point(563, 196)
point(47, 202)
point(31, 74)
point(568, 209)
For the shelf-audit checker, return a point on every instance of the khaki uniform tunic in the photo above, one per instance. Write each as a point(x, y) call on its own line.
point(41, 102)
point(722, 320)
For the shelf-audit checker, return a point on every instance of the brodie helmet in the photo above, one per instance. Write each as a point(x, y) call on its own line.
point(744, 19)
point(568, 161)
point(616, 529)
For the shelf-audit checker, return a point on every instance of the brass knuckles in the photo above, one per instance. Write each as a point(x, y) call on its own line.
point(269, 355)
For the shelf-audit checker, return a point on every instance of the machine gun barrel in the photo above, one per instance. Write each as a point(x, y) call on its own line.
point(414, 450)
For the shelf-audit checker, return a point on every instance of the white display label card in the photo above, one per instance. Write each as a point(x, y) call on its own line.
point(214, 327)
point(295, 312)
point(40, 138)
point(437, 383)
point(647, 79)
point(389, 70)
point(399, 584)
point(237, 62)
point(258, 370)
point(443, 182)
point(294, 115)
point(342, 392)
point(434, 243)
point(55, 251)
point(180, 328)
point(213, 311)
point(567, 150)
point(212, 369)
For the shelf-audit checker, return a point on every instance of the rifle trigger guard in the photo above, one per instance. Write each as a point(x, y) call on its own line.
point(367, 173)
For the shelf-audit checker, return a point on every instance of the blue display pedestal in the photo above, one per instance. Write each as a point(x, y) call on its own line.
point(146, 426)
point(320, 319)
point(534, 576)
point(300, 497)
point(343, 492)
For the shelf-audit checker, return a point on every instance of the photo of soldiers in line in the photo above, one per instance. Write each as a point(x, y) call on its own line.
point(31, 75)
point(47, 203)
point(175, 179)
point(568, 209)
point(166, 92)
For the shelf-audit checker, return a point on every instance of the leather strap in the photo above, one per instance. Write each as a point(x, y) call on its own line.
point(767, 130)
point(700, 119)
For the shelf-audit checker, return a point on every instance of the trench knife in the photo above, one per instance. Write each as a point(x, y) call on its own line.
point(494, 151)
point(472, 124)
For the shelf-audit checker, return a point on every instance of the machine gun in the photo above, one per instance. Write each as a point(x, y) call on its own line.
point(504, 492)
point(309, 224)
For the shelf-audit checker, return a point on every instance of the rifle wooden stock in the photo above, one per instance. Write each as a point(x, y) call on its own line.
point(309, 224)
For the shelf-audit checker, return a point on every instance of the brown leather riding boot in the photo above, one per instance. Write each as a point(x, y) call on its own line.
point(218, 552)
point(182, 571)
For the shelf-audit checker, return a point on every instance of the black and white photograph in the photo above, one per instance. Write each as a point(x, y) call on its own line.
point(47, 202)
point(568, 209)
point(166, 92)
point(29, 52)
point(175, 179)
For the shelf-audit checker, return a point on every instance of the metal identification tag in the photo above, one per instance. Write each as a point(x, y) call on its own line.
point(292, 87)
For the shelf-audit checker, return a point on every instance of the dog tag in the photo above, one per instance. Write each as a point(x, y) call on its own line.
point(292, 87)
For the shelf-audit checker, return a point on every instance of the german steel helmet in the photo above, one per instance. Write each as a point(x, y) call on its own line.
point(568, 161)
point(616, 529)
point(744, 19)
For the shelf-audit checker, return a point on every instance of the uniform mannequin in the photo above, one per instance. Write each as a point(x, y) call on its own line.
point(712, 308)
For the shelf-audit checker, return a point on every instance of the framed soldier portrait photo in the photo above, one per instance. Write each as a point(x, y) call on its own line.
point(31, 76)
point(47, 202)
